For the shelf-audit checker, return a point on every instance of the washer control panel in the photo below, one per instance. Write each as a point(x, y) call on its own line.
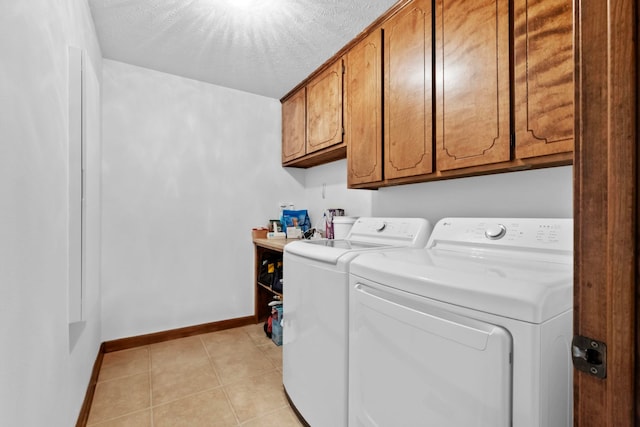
point(531, 233)
point(414, 231)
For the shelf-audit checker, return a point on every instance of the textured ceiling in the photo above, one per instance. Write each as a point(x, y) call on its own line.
point(259, 46)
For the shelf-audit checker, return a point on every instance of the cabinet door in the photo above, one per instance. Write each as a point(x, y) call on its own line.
point(544, 86)
point(472, 83)
point(363, 110)
point(408, 134)
point(294, 126)
point(324, 109)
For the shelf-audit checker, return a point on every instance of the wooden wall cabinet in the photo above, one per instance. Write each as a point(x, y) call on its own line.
point(324, 109)
point(494, 101)
point(472, 83)
point(408, 92)
point(544, 83)
point(312, 128)
point(407, 147)
point(294, 126)
point(363, 111)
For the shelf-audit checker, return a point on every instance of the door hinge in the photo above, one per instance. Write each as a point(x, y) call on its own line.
point(589, 356)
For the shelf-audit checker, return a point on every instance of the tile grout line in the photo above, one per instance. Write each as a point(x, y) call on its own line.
point(233, 410)
point(119, 415)
point(170, 368)
point(211, 363)
point(271, 412)
point(150, 373)
point(120, 377)
point(215, 371)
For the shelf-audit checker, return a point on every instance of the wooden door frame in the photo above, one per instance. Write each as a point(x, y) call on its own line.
point(605, 208)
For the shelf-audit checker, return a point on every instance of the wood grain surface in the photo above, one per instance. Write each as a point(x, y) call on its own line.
point(408, 92)
point(363, 110)
point(544, 84)
point(294, 126)
point(472, 83)
point(324, 109)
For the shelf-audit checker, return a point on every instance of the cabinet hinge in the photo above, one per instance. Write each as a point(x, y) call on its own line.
point(589, 356)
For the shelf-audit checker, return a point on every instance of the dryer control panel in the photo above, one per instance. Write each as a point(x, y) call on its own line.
point(547, 235)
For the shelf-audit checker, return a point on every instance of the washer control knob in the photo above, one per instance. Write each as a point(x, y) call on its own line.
point(495, 232)
point(381, 226)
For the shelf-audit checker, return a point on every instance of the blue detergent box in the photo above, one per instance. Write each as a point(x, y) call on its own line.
point(276, 327)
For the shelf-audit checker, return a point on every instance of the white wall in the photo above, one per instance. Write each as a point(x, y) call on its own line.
point(188, 169)
point(45, 364)
point(326, 187)
point(536, 193)
point(544, 193)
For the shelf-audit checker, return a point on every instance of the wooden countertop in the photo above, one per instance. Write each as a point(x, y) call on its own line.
point(275, 244)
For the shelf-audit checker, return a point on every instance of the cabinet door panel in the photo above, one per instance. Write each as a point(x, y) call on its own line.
point(408, 92)
point(294, 126)
point(544, 86)
point(363, 110)
point(472, 83)
point(324, 109)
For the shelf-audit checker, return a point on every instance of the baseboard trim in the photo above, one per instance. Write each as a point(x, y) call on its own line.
point(83, 417)
point(140, 340)
point(156, 337)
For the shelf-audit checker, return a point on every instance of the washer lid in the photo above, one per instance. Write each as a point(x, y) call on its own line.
point(329, 250)
point(366, 234)
point(531, 291)
point(344, 244)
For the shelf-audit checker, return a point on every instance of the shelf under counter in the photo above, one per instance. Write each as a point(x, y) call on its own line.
point(263, 293)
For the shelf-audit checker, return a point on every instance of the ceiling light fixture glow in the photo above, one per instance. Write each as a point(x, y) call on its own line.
point(244, 5)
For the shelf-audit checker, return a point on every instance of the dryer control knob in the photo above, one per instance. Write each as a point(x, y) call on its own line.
point(381, 226)
point(495, 232)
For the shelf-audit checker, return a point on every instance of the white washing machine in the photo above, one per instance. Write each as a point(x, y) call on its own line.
point(474, 330)
point(315, 341)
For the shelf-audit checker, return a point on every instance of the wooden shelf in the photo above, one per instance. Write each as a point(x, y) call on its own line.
point(263, 293)
point(269, 289)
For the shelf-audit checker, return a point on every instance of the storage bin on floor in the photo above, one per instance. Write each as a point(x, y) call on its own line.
point(276, 326)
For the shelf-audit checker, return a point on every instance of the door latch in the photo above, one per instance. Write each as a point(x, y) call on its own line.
point(589, 356)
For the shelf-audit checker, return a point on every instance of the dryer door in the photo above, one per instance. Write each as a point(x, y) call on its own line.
point(412, 364)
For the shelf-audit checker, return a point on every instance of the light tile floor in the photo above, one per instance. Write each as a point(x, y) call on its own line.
point(226, 378)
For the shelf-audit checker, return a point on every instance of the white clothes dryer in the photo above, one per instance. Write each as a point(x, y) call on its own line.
point(474, 330)
point(315, 305)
